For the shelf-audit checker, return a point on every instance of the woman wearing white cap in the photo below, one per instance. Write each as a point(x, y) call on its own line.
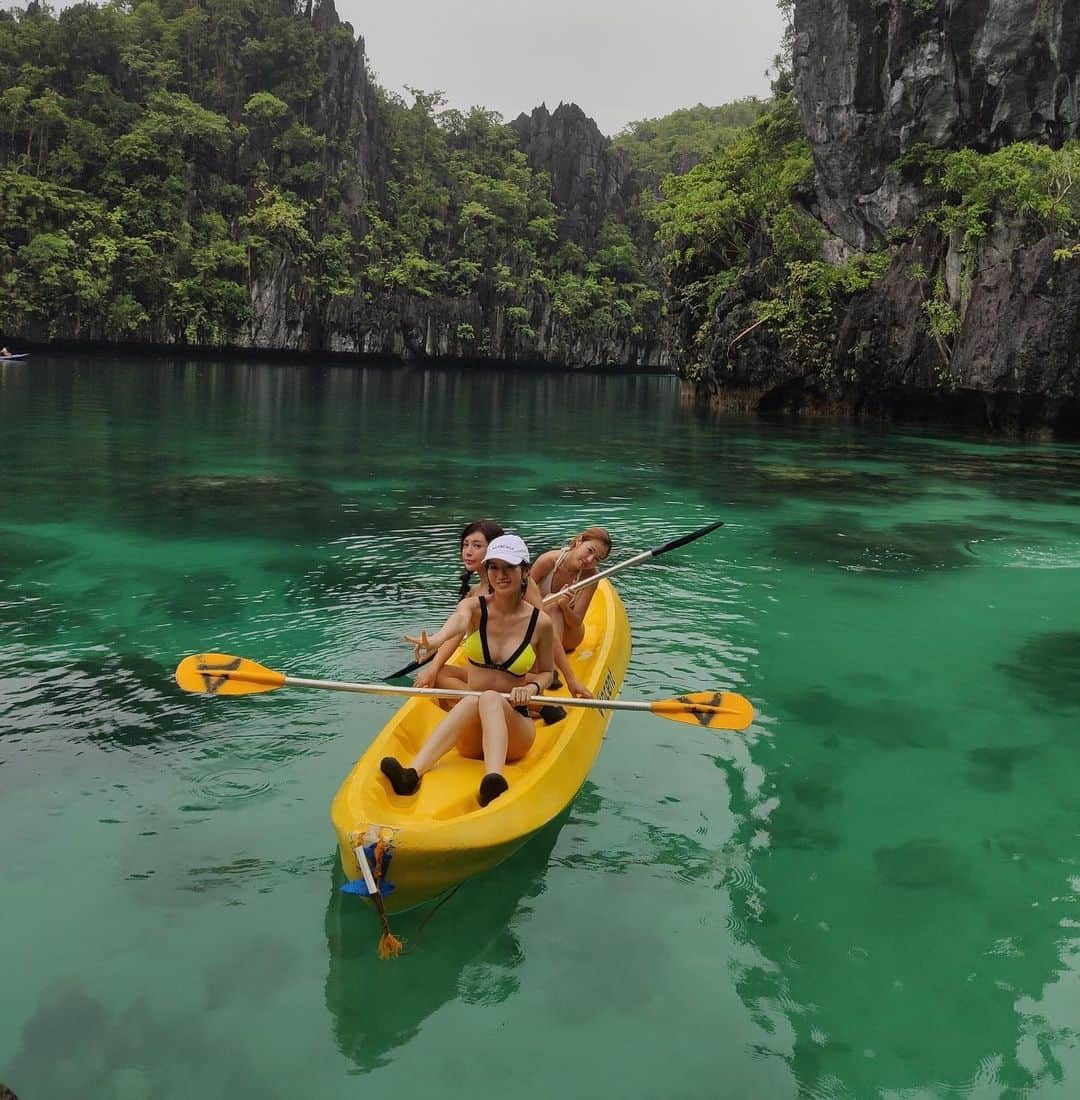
point(437, 673)
point(509, 649)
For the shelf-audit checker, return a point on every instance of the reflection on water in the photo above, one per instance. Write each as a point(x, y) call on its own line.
point(914, 889)
point(465, 950)
point(920, 962)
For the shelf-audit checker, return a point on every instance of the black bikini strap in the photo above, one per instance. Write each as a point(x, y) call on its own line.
point(482, 629)
point(505, 666)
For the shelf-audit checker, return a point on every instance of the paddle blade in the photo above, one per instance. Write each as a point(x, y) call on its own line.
point(716, 710)
point(223, 674)
point(674, 544)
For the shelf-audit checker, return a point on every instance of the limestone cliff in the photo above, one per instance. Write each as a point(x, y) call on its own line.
point(283, 315)
point(874, 79)
point(227, 175)
point(588, 184)
point(588, 181)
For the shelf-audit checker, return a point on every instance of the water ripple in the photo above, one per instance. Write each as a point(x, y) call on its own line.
point(223, 789)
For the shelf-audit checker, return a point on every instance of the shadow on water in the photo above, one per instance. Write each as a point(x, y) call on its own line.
point(314, 581)
point(1047, 665)
point(74, 1047)
point(116, 698)
point(906, 550)
point(829, 485)
point(1013, 474)
point(892, 724)
point(994, 769)
point(38, 618)
point(201, 596)
point(274, 508)
point(20, 552)
point(467, 952)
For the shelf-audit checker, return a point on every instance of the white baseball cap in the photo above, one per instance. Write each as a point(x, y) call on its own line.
point(508, 548)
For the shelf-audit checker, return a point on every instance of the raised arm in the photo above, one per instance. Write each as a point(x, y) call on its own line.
point(459, 623)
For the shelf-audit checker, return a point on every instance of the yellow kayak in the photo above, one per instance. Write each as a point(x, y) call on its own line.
point(440, 836)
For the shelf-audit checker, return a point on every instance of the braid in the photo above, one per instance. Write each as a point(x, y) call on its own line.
point(466, 584)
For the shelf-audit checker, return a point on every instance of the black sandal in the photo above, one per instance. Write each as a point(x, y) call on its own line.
point(403, 780)
point(491, 786)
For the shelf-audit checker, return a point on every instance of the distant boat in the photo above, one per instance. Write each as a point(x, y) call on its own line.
point(12, 358)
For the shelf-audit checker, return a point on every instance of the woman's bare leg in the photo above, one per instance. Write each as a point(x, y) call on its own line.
point(506, 735)
point(455, 725)
point(454, 678)
point(569, 637)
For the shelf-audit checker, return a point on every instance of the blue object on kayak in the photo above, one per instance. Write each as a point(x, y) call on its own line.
point(360, 886)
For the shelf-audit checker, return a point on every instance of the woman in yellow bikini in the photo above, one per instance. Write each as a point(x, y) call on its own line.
point(558, 569)
point(437, 673)
point(509, 649)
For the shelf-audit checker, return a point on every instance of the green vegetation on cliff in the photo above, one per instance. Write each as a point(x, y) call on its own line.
point(967, 191)
point(733, 220)
point(741, 254)
point(163, 163)
point(1024, 186)
point(675, 143)
point(153, 157)
point(465, 215)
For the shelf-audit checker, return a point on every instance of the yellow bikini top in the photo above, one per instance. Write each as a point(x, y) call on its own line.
point(518, 663)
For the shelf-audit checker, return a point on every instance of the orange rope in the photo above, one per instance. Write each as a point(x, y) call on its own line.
point(389, 945)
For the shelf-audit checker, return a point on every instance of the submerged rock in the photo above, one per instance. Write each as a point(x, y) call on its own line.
point(921, 864)
point(1048, 665)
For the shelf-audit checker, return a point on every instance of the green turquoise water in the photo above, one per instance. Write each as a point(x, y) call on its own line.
point(874, 891)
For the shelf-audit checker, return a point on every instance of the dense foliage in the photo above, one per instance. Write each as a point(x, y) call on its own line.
point(737, 215)
point(164, 162)
point(465, 215)
point(969, 190)
point(153, 156)
point(737, 225)
point(675, 143)
point(159, 158)
point(968, 193)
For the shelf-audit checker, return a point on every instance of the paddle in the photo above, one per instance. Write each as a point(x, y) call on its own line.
point(223, 674)
point(674, 544)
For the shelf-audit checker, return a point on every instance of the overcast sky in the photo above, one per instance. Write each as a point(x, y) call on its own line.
point(619, 60)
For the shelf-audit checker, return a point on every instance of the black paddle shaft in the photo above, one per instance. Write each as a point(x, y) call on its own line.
point(684, 539)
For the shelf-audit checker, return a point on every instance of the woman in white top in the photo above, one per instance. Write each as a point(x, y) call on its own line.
point(559, 569)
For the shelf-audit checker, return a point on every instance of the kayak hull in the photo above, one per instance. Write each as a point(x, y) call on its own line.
point(439, 837)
